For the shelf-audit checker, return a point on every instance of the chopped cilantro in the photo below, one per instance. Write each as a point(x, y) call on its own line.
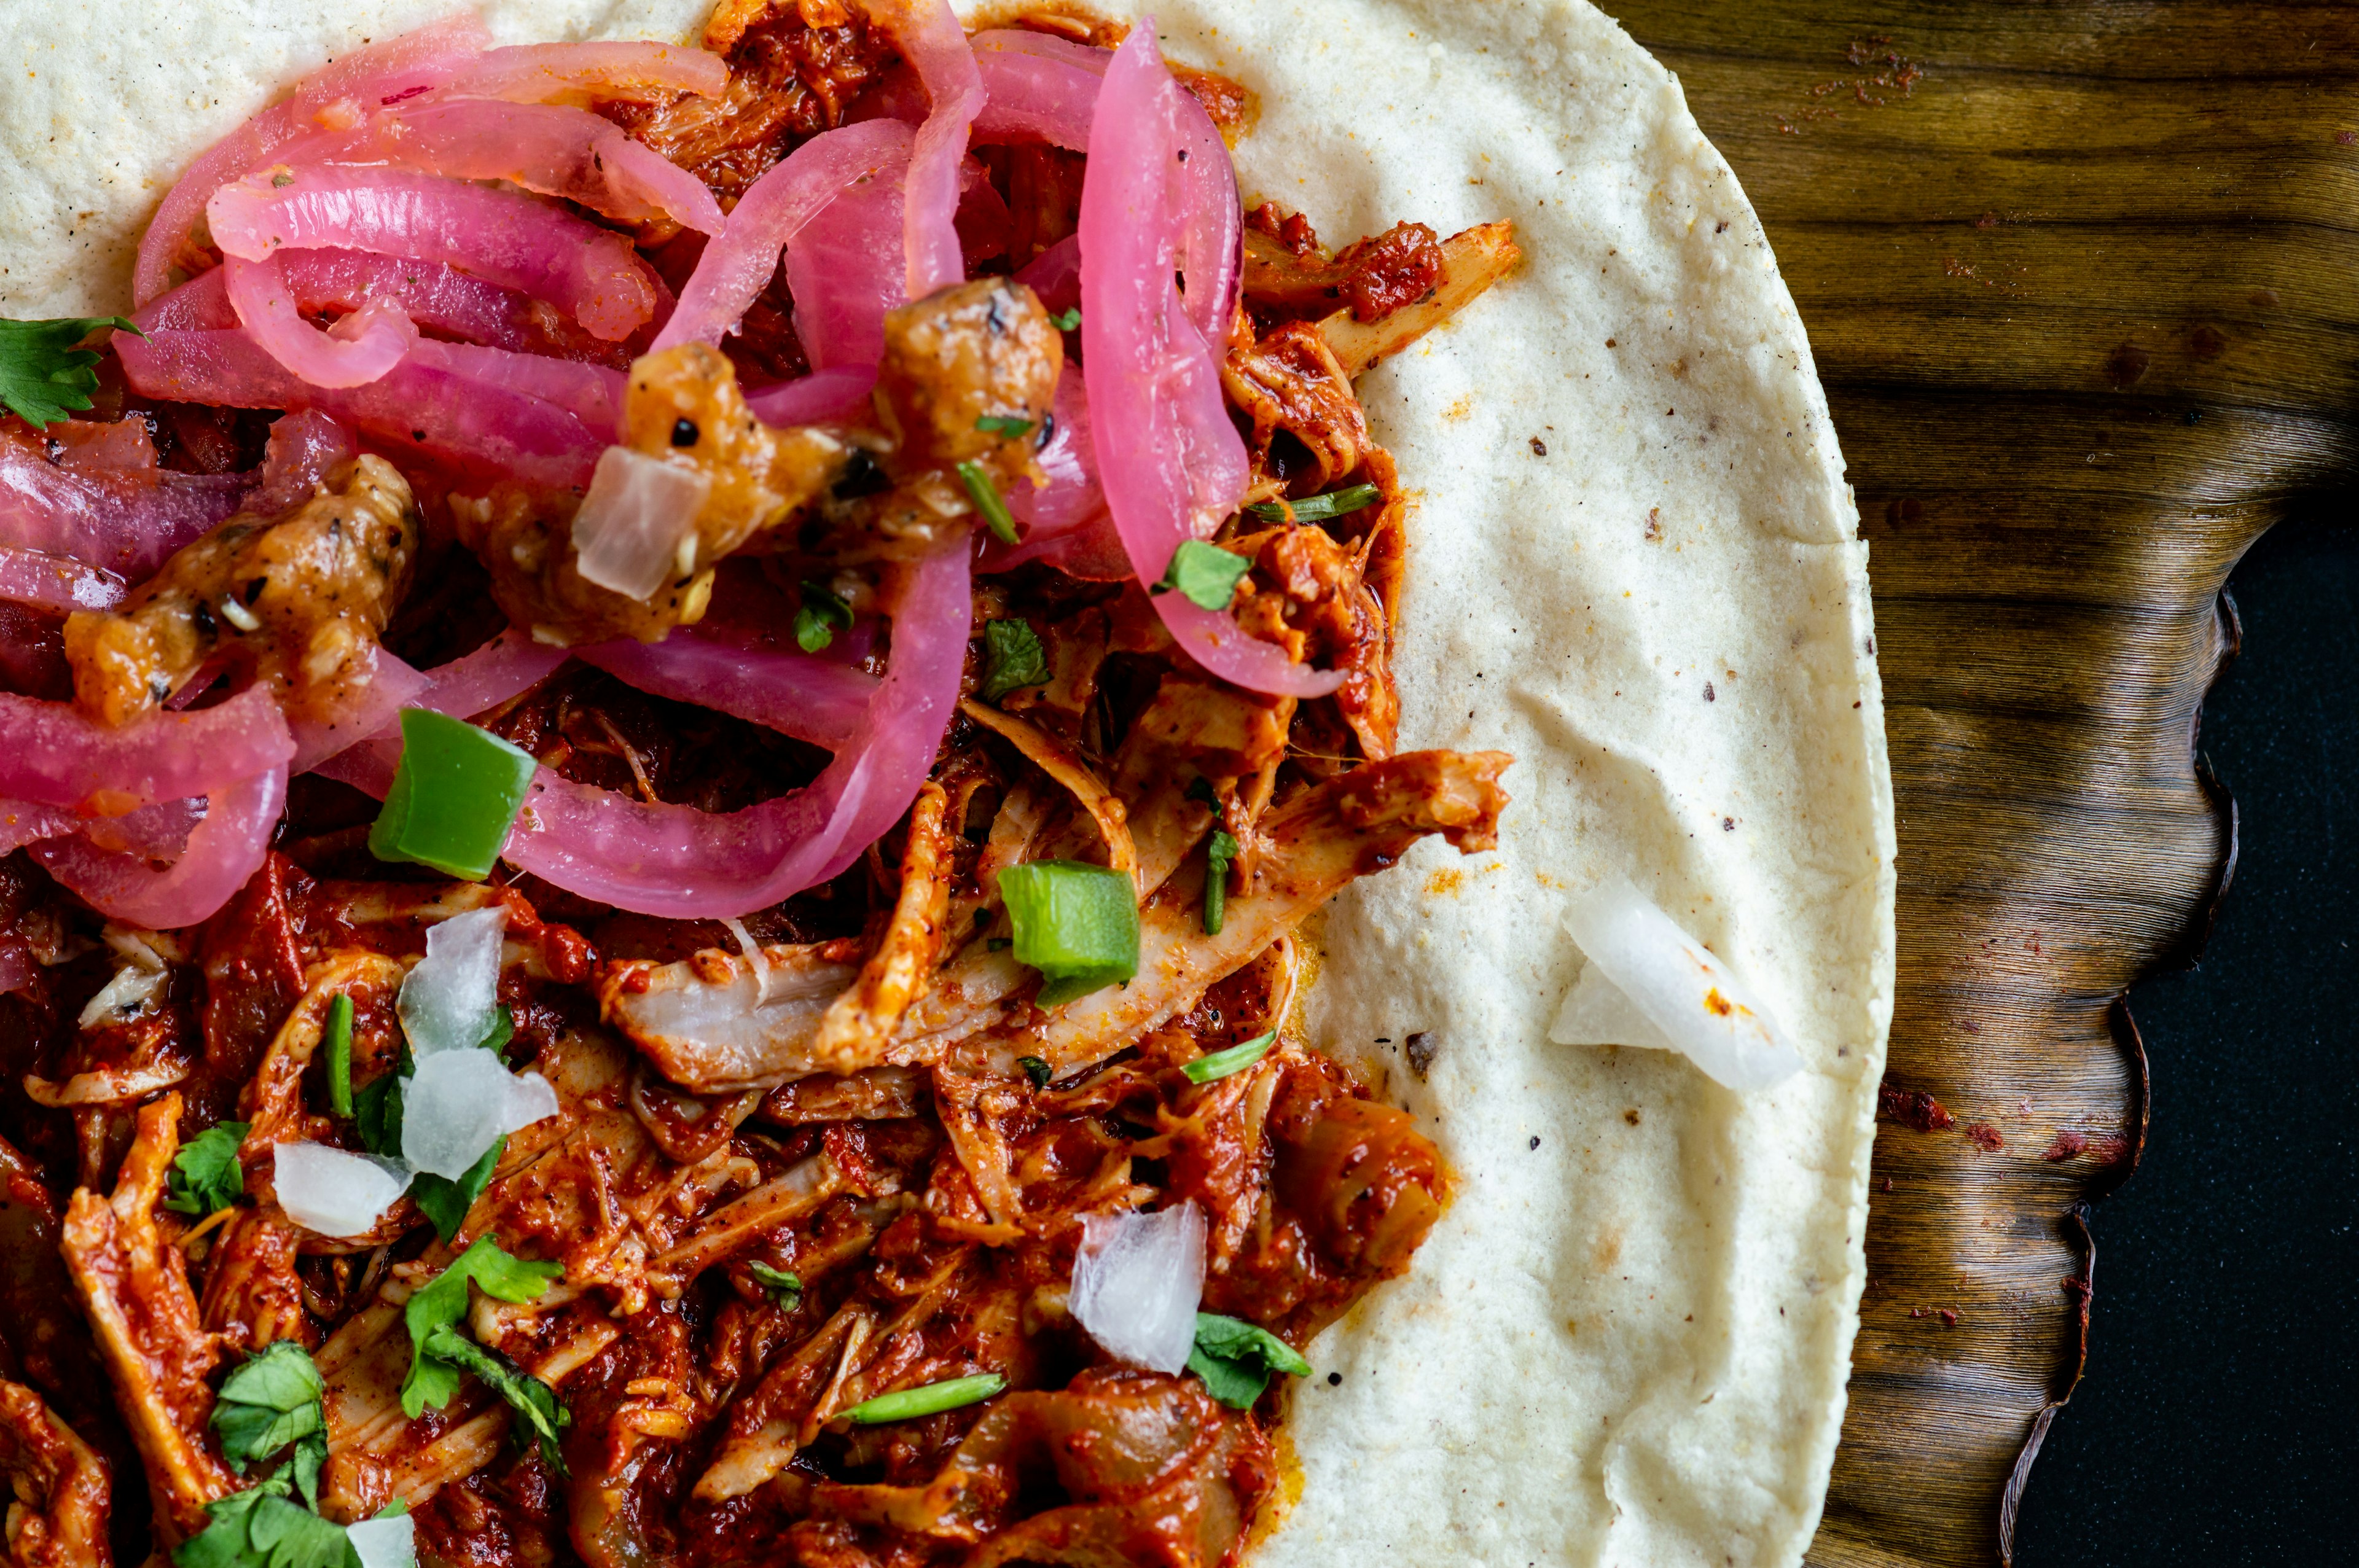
point(1235, 1059)
point(1220, 854)
point(526, 1395)
point(440, 1305)
point(1013, 658)
point(1316, 508)
point(446, 1202)
point(1002, 425)
point(43, 376)
point(1206, 575)
point(822, 615)
point(1038, 1070)
point(985, 496)
point(1236, 1358)
point(783, 1286)
point(1068, 320)
point(206, 1175)
point(272, 1400)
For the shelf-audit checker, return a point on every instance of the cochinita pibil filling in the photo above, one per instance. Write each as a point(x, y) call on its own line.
point(670, 713)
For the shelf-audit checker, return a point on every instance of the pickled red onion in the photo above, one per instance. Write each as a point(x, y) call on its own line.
point(541, 73)
point(545, 148)
point(678, 862)
point(477, 404)
point(515, 239)
point(126, 522)
point(935, 45)
point(55, 756)
point(358, 350)
point(508, 666)
point(223, 851)
point(304, 446)
point(1172, 464)
point(787, 690)
point(368, 707)
point(425, 57)
point(739, 264)
point(57, 583)
point(822, 397)
point(843, 269)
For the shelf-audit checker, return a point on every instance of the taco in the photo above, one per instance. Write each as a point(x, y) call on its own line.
point(739, 823)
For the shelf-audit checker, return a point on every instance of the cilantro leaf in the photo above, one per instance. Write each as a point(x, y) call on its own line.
point(43, 374)
point(784, 1286)
point(260, 1528)
point(446, 1202)
point(823, 614)
point(503, 1030)
point(1013, 658)
point(1236, 1358)
point(1068, 320)
point(270, 1401)
point(526, 1395)
point(1002, 425)
point(1036, 1068)
point(206, 1175)
point(441, 1303)
point(378, 1108)
point(280, 1535)
point(1205, 574)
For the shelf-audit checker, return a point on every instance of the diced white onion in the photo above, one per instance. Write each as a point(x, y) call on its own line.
point(459, 1103)
point(447, 1002)
point(332, 1191)
point(1648, 983)
point(1137, 1280)
point(385, 1543)
point(637, 510)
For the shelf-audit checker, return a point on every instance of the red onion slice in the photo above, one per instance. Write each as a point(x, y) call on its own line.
point(450, 399)
point(508, 666)
point(416, 60)
point(678, 862)
point(787, 690)
point(1172, 464)
point(935, 45)
point(434, 294)
point(368, 707)
point(55, 756)
point(541, 73)
point(516, 241)
point(545, 148)
point(738, 265)
point(844, 269)
point(125, 522)
point(358, 350)
point(58, 583)
point(822, 397)
point(224, 850)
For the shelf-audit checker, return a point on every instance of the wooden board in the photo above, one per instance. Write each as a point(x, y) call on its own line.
point(2083, 280)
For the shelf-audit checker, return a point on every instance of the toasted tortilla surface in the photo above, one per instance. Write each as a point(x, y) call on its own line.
point(1635, 566)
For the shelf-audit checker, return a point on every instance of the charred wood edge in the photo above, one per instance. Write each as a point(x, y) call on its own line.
point(2229, 630)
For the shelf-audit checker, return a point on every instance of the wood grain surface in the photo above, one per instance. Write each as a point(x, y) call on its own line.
point(2080, 282)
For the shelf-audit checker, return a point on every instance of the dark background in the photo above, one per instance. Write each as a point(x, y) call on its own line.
point(2218, 1420)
